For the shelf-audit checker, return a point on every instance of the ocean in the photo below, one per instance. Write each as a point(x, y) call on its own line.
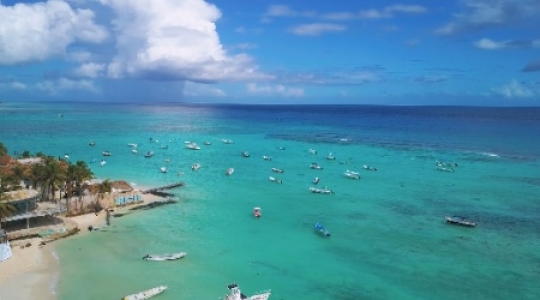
point(388, 235)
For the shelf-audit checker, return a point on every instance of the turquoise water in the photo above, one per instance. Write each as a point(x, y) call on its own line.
point(388, 239)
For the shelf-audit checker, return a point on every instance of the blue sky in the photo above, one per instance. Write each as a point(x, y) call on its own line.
point(455, 52)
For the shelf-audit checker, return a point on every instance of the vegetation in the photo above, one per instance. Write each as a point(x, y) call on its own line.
point(3, 150)
point(6, 209)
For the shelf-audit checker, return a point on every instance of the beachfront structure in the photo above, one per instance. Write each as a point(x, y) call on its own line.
point(26, 208)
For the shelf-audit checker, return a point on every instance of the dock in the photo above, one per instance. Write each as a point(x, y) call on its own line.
point(160, 191)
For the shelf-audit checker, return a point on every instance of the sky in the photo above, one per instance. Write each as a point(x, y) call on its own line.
point(385, 52)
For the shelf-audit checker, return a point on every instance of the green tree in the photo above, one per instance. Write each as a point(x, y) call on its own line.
point(25, 154)
point(53, 175)
point(102, 188)
point(34, 174)
point(18, 173)
point(3, 150)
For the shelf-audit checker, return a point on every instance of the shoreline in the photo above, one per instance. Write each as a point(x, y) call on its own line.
point(33, 272)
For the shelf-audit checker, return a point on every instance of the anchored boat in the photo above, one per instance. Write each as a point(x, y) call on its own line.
point(146, 294)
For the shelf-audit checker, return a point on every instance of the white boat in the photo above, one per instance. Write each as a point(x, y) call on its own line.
point(245, 154)
point(313, 151)
point(352, 174)
point(236, 294)
point(193, 146)
point(267, 157)
point(229, 171)
point(146, 294)
point(134, 151)
point(276, 170)
point(446, 169)
point(227, 141)
point(324, 190)
point(164, 147)
point(195, 166)
point(315, 166)
point(330, 156)
point(163, 170)
point(369, 168)
point(102, 163)
point(164, 257)
point(257, 212)
point(106, 153)
point(188, 142)
point(207, 143)
point(132, 145)
point(316, 180)
point(149, 154)
point(275, 180)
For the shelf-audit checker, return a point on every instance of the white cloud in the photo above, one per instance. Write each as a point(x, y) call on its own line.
point(63, 84)
point(488, 44)
point(89, 70)
point(482, 14)
point(280, 11)
point(274, 90)
point(514, 89)
point(317, 29)
point(174, 40)
point(38, 31)
point(202, 89)
point(390, 11)
point(18, 85)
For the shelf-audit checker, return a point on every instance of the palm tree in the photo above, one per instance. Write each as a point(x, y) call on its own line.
point(77, 174)
point(102, 188)
point(17, 174)
point(34, 174)
point(53, 175)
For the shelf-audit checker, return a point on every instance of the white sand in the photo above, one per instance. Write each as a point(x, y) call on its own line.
point(32, 272)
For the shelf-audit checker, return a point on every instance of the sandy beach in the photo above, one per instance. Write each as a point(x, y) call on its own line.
point(32, 272)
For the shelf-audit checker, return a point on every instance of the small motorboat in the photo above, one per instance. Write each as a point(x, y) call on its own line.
point(164, 257)
point(195, 166)
point(281, 148)
point(315, 166)
point(236, 294)
point(267, 157)
point(207, 143)
point(227, 141)
point(460, 220)
point(193, 146)
point(313, 151)
point(106, 153)
point(324, 190)
point(164, 147)
point(146, 294)
point(316, 180)
point(352, 174)
point(134, 151)
point(245, 154)
point(132, 145)
point(447, 164)
point(102, 163)
point(276, 170)
point(369, 168)
point(257, 212)
point(163, 170)
point(321, 230)
point(229, 171)
point(330, 156)
point(92, 144)
point(271, 178)
point(149, 154)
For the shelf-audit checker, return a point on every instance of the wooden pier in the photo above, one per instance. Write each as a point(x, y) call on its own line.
point(160, 190)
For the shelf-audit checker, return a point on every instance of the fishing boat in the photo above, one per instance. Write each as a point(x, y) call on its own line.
point(330, 156)
point(321, 230)
point(146, 294)
point(245, 154)
point(193, 146)
point(164, 257)
point(229, 171)
point(460, 220)
point(276, 170)
point(352, 174)
point(106, 153)
point(315, 166)
point(195, 166)
point(369, 168)
point(267, 157)
point(324, 190)
point(257, 212)
point(236, 294)
point(271, 178)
